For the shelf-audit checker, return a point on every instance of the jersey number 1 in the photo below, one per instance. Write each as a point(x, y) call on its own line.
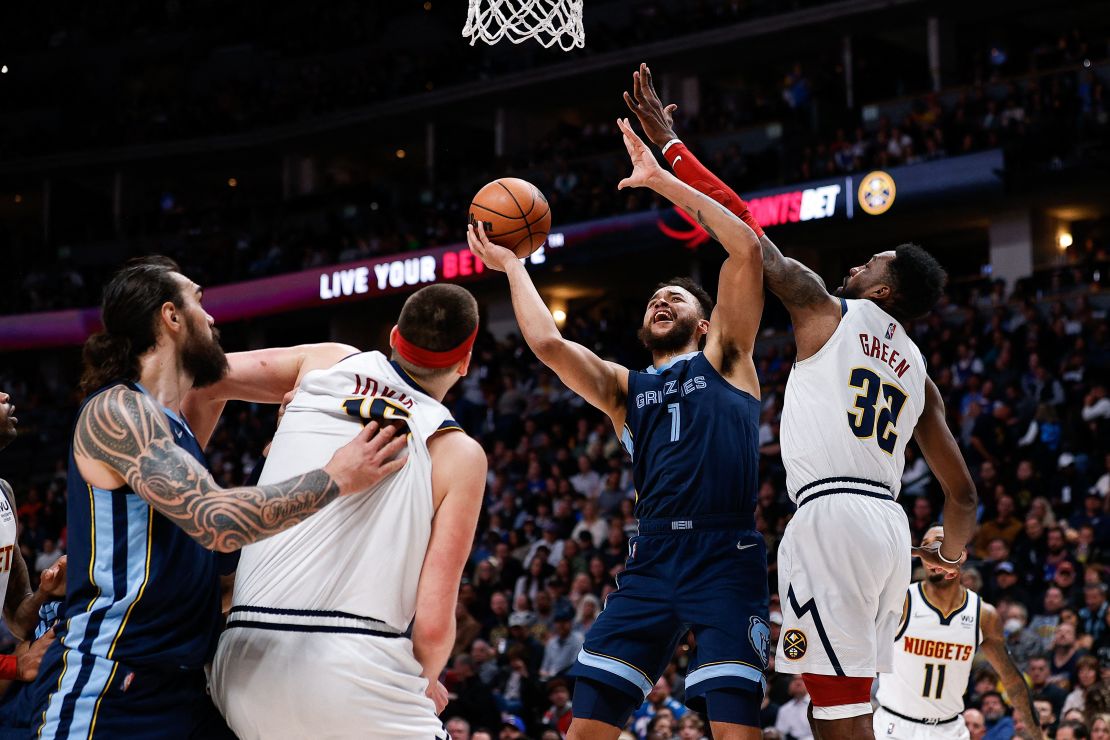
point(870, 417)
point(676, 420)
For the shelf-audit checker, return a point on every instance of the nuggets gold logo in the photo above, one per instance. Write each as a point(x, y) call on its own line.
point(876, 192)
point(794, 644)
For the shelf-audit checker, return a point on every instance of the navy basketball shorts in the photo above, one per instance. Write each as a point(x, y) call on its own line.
point(81, 695)
point(685, 575)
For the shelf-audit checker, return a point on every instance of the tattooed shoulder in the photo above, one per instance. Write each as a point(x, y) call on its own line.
point(116, 426)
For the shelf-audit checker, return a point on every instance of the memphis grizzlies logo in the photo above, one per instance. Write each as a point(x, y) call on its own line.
point(759, 634)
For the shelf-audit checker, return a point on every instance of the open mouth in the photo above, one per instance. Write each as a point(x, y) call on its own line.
point(662, 316)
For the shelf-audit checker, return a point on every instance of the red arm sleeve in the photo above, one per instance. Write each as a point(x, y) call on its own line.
point(695, 174)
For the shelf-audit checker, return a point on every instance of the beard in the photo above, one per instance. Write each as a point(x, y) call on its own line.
point(845, 291)
point(938, 579)
point(203, 358)
point(677, 337)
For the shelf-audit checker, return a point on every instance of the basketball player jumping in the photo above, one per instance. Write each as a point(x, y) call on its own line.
point(690, 423)
point(318, 634)
point(142, 609)
point(943, 625)
point(857, 393)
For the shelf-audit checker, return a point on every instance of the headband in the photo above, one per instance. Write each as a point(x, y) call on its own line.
point(435, 360)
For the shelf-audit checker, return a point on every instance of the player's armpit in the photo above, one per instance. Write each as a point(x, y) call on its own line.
point(1017, 690)
point(947, 463)
point(458, 485)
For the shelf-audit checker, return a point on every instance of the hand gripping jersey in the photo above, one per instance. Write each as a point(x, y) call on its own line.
point(851, 408)
point(932, 658)
point(360, 554)
point(316, 636)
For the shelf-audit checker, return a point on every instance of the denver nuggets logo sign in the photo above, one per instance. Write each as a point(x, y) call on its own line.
point(794, 644)
point(876, 192)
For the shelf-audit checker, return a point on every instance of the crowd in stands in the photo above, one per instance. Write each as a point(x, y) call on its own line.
point(1026, 389)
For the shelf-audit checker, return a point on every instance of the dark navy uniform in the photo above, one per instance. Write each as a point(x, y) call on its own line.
point(141, 618)
point(697, 562)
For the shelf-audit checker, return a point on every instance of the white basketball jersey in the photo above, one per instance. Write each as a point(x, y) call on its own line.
point(8, 541)
point(851, 408)
point(361, 554)
point(932, 658)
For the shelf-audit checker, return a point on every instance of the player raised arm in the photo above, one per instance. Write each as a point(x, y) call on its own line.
point(258, 376)
point(603, 384)
point(814, 312)
point(123, 437)
point(458, 484)
point(735, 320)
point(943, 456)
point(1017, 691)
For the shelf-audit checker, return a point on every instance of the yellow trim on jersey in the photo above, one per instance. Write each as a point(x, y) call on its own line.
point(729, 662)
point(936, 608)
point(96, 709)
point(142, 589)
point(65, 667)
point(624, 662)
point(92, 557)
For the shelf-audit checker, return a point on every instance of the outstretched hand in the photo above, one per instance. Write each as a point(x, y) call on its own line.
point(645, 169)
point(494, 256)
point(52, 581)
point(656, 118)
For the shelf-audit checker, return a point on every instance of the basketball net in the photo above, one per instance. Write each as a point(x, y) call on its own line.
point(549, 22)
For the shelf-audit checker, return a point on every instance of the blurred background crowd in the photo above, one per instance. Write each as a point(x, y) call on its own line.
point(1025, 383)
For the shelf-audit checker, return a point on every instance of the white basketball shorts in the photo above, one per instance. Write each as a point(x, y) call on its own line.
point(889, 727)
point(844, 567)
point(273, 684)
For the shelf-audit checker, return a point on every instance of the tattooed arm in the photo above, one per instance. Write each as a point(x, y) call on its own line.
point(1017, 691)
point(122, 437)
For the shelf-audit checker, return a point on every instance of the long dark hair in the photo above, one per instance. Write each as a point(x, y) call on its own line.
point(132, 299)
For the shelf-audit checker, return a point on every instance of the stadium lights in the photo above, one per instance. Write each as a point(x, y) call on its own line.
point(1064, 240)
point(232, 182)
point(400, 153)
point(4, 70)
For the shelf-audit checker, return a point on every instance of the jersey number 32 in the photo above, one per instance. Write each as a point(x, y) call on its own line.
point(873, 416)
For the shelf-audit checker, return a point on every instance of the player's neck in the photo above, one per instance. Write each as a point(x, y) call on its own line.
point(659, 359)
point(162, 374)
point(945, 596)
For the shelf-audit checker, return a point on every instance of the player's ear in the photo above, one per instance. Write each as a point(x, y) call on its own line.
point(703, 327)
point(393, 336)
point(172, 319)
point(464, 366)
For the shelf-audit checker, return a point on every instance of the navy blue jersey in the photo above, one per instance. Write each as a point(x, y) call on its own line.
point(694, 441)
point(139, 590)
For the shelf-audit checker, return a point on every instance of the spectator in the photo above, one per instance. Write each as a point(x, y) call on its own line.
point(1095, 612)
point(1066, 654)
point(470, 698)
point(50, 554)
point(1006, 586)
point(592, 522)
point(1072, 731)
point(458, 728)
point(1086, 672)
point(998, 724)
point(1021, 642)
point(1043, 688)
point(976, 725)
point(466, 629)
point(560, 714)
point(563, 646)
point(1045, 716)
point(1004, 526)
point(793, 721)
point(658, 700)
point(512, 728)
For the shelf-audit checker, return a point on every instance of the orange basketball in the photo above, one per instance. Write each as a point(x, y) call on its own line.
point(514, 214)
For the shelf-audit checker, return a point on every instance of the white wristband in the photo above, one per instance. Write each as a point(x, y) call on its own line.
point(946, 560)
point(669, 144)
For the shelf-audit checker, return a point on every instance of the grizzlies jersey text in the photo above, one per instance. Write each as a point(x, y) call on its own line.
point(694, 441)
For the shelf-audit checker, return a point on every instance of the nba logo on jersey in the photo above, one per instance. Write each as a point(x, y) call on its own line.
point(890, 330)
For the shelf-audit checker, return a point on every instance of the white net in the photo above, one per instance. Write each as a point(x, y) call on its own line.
point(549, 22)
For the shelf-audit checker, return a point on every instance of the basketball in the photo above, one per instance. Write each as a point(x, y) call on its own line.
point(514, 214)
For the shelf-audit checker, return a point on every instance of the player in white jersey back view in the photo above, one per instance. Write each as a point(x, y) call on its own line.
point(341, 627)
point(944, 624)
point(857, 393)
